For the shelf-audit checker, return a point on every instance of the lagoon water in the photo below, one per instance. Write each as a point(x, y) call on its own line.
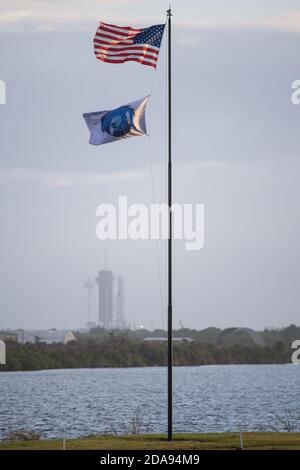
point(78, 402)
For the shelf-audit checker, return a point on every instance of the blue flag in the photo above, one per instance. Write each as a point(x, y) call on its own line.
point(126, 121)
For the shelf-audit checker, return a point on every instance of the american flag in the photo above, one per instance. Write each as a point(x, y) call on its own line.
point(118, 44)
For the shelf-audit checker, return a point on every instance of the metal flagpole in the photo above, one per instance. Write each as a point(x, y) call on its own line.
point(170, 320)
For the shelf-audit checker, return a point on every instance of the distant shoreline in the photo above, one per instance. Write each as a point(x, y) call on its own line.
point(143, 367)
point(124, 349)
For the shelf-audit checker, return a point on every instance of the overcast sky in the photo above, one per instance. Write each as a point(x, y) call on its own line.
point(236, 150)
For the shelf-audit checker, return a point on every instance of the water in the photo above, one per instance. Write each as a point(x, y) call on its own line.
point(77, 402)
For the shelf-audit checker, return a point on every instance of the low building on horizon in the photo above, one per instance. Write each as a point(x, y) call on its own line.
point(176, 339)
point(45, 336)
point(8, 335)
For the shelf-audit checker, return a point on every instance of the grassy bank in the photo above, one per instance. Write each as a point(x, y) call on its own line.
point(187, 441)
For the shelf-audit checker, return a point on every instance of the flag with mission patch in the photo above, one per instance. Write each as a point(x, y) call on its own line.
point(126, 121)
point(118, 44)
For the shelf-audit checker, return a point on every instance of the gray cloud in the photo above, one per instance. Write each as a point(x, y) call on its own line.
point(63, 179)
point(48, 15)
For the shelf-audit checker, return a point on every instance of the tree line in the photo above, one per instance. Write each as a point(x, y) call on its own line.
point(121, 350)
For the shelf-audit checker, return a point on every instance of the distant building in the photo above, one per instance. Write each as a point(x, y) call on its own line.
point(8, 335)
point(120, 320)
point(241, 336)
point(46, 336)
point(105, 287)
point(110, 299)
point(165, 339)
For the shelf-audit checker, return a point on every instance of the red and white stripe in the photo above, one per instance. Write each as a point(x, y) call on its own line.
point(114, 44)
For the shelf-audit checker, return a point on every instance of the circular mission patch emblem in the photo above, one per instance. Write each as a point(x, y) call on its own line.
point(118, 122)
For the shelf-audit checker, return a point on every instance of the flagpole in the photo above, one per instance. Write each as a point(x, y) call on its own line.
point(170, 319)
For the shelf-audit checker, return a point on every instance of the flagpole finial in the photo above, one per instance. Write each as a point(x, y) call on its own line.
point(169, 11)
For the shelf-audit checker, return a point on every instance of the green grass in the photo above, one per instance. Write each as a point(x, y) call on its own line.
point(187, 441)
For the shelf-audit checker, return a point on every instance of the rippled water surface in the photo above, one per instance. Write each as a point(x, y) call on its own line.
point(77, 402)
